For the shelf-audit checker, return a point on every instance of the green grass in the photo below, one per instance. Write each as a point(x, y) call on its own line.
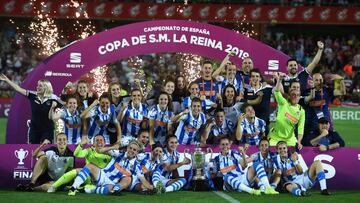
point(349, 132)
point(3, 122)
point(348, 129)
point(183, 196)
point(337, 196)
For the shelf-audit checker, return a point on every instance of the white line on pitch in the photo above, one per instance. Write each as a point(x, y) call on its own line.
point(226, 197)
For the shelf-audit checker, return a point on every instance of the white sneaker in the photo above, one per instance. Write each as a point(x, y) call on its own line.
point(51, 189)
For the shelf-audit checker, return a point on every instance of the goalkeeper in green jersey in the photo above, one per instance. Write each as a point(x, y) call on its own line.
point(290, 115)
point(90, 154)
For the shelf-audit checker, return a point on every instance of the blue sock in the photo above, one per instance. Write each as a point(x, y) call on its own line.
point(177, 185)
point(117, 187)
point(156, 177)
point(296, 192)
point(102, 190)
point(81, 177)
point(273, 185)
point(320, 175)
point(234, 182)
point(322, 180)
point(260, 171)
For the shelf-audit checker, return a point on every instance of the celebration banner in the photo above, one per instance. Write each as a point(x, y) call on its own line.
point(340, 165)
point(161, 36)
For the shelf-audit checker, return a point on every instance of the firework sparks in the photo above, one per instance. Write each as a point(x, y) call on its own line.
point(74, 4)
point(44, 35)
point(100, 84)
point(191, 65)
point(87, 29)
point(245, 28)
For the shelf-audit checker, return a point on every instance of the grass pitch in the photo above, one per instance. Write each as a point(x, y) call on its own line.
point(3, 122)
point(182, 197)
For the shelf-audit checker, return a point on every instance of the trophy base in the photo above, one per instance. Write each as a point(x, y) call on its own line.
point(200, 185)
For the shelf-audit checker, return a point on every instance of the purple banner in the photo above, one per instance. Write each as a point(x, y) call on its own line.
point(160, 36)
point(340, 165)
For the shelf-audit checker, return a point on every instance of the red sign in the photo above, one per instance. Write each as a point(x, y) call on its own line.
point(196, 12)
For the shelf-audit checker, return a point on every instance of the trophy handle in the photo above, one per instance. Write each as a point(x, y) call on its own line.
point(211, 153)
point(26, 152)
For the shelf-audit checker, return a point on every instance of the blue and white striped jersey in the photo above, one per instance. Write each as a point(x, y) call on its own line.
point(72, 125)
point(267, 162)
point(148, 165)
point(188, 129)
point(132, 118)
point(226, 128)
point(287, 168)
point(229, 163)
point(205, 104)
point(252, 131)
point(161, 121)
point(222, 82)
point(121, 166)
point(99, 122)
point(169, 158)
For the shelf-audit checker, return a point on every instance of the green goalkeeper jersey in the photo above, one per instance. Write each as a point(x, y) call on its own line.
point(92, 156)
point(288, 117)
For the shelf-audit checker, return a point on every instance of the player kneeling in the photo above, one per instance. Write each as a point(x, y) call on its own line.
point(296, 180)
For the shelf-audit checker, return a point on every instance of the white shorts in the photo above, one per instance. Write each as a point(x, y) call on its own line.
point(303, 180)
point(103, 179)
point(244, 178)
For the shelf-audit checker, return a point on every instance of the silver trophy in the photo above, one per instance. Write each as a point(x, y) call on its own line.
point(199, 163)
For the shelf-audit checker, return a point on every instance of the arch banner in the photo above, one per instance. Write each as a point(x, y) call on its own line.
point(160, 36)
